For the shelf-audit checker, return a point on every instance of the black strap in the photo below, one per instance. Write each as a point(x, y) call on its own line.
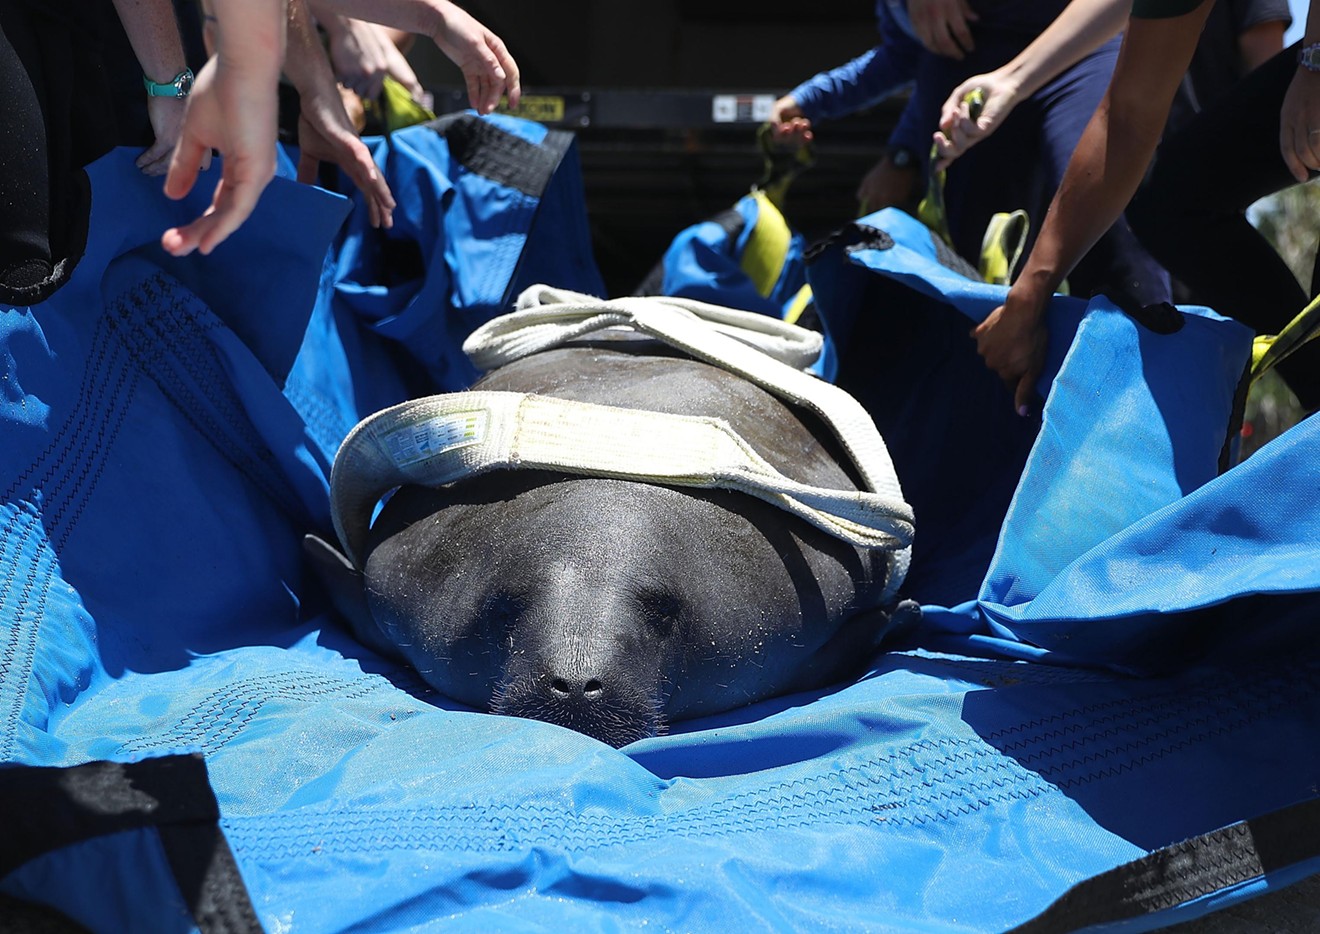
point(1184, 871)
point(50, 808)
point(491, 152)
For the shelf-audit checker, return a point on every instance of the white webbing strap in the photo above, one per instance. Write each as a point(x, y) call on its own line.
point(441, 439)
point(547, 317)
point(725, 337)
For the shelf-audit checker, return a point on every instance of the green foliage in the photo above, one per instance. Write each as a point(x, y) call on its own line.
point(1289, 220)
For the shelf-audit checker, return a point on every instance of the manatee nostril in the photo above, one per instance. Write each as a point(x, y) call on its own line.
point(563, 689)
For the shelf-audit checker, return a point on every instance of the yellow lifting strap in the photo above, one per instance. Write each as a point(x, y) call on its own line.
point(766, 250)
point(396, 107)
point(1267, 351)
point(1005, 235)
point(930, 211)
point(1001, 247)
point(767, 245)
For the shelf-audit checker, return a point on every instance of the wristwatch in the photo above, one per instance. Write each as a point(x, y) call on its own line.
point(178, 86)
point(1309, 57)
point(900, 157)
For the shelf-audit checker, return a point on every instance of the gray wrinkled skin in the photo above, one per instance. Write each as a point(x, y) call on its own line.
point(613, 607)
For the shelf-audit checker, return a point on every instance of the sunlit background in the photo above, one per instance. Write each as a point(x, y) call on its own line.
point(1298, 26)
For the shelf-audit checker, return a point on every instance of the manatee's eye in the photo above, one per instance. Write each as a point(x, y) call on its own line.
point(661, 609)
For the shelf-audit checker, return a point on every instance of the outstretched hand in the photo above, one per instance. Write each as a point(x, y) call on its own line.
point(325, 133)
point(235, 111)
point(487, 66)
point(788, 124)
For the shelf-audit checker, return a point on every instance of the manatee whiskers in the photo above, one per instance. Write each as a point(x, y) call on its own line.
point(613, 716)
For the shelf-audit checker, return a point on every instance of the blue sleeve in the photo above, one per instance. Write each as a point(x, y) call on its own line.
point(863, 82)
point(914, 130)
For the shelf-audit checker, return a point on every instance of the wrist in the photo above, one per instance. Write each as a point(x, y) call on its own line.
point(1030, 294)
point(1010, 83)
point(903, 158)
point(177, 85)
point(1308, 57)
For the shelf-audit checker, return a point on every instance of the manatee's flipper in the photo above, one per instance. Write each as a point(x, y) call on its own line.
point(346, 589)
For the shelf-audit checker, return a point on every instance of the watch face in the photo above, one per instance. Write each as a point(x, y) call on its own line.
point(183, 84)
point(901, 158)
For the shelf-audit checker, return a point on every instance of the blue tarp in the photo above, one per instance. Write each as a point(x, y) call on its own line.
point(1117, 653)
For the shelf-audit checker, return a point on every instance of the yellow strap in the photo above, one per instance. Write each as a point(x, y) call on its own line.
point(767, 246)
point(397, 107)
point(931, 209)
point(798, 305)
point(1001, 247)
point(1267, 351)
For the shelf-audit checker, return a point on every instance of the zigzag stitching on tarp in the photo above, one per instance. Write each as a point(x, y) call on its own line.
point(1092, 757)
point(791, 805)
point(21, 642)
point(1183, 697)
point(153, 319)
point(324, 421)
point(148, 327)
point(810, 801)
point(1003, 674)
point(509, 827)
point(216, 721)
point(74, 437)
point(82, 447)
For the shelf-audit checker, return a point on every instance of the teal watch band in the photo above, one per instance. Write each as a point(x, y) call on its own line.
point(178, 86)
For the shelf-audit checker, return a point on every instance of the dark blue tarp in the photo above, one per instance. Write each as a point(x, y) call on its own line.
point(167, 426)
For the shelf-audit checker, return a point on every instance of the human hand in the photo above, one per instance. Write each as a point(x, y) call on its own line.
point(363, 55)
point(487, 66)
point(967, 118)
point(886, 184)
point(234, 110)
point(1013, 339)
point(1299, 124)
point(166, 115)
point(326, 133)
point(943, 26)
point(788, 124)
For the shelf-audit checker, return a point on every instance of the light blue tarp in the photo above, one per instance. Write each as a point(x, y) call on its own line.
point(166, 427)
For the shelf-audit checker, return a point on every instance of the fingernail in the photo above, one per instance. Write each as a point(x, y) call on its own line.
point(1023, 411)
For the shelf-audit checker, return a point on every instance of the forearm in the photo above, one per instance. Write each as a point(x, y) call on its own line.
point(305, 62)
point(419, 17)
point(1116, 147)
point(1081, 28)
point(249, 35)
point(154, 36)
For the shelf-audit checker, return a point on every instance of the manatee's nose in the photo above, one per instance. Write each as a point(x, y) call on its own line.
point(574, 688)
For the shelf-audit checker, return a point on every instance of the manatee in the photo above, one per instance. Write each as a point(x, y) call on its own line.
point(615, 607)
